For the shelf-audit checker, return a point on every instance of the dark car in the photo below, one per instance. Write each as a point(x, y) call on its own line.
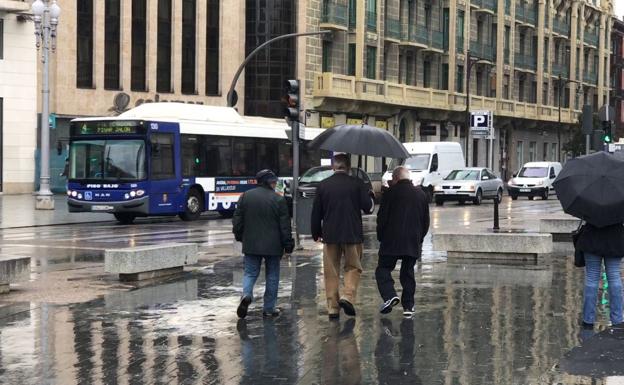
point(309, 181)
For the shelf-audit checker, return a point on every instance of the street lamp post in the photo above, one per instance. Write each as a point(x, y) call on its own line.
point(561, 83)
point(46, 14)
point(470, 61)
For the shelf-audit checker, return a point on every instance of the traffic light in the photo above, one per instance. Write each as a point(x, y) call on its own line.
point(608, 135)
point(291, 99)
point(597, 140)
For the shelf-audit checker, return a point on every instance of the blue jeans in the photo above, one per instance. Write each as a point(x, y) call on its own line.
point(593, 265)
point(253, 264)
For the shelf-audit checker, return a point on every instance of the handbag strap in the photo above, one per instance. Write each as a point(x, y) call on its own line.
point(581, 224)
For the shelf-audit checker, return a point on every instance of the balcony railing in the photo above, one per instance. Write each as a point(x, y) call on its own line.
point(491, 5)
point(590, 77)
point(482, 51)
point(525, 61)
point(561, 27)
point(560, 69)
point(334, 13)
point(416, 34)
point(357, 89)
point(393, 29)
point(525, 15)
point(371, 21)
point(436, 40)
point(591, 38)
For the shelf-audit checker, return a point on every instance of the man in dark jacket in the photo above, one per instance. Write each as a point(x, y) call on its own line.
point(337, 222)
point(262, 223)
point(402, 223)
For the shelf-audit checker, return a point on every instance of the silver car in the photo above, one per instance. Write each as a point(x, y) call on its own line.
point(469, 184)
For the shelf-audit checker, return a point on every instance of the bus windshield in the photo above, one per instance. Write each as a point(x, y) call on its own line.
point(110, 160)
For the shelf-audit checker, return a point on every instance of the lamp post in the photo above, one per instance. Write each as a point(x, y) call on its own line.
point(561, 84)
point(470, 61)
point(46, 14)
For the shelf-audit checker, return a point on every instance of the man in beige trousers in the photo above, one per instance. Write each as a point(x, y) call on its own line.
point(337, 222)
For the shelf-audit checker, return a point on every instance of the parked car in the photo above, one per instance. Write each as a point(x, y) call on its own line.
point(429, 164)
point(469, 184)
point(534, 179)
point(309, 181)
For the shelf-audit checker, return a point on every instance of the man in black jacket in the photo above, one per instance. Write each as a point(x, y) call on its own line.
point(262, 223)
point(402, 223)
point(337, 222)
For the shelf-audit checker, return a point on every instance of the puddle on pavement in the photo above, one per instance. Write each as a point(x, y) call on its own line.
point(474, 324)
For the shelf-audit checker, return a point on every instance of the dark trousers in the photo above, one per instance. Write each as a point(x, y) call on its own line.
point(385, 283)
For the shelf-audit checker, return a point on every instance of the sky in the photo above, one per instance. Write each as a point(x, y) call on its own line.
point(619, 8)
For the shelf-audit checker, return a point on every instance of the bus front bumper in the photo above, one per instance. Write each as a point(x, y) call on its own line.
point(136, 206)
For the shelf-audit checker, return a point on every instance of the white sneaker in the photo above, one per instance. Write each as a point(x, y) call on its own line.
point(408, 313)
point(387, 306)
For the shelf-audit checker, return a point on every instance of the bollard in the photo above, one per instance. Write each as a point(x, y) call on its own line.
point(496, 227)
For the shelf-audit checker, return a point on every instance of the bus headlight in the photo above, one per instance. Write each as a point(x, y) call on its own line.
point(74, 194)
point(127, 196)
point(79, 196)
point(140, 193)
point(69, 192)
point(132, 194)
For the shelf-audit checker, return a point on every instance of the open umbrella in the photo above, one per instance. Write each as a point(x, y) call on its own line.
point(360, 140)
point(592, 188)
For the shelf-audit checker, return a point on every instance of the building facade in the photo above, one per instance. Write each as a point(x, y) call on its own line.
point(617, 75)
point(18, 97)
point(401, 65)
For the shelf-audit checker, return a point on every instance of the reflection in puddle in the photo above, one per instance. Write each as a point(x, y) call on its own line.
point(474, 324)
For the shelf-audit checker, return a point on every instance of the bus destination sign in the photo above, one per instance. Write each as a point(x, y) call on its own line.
point(107, 127)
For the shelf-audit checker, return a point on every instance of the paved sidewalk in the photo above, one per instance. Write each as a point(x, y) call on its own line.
point(19, 211)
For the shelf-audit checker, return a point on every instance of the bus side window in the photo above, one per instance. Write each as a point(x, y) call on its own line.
point(267, 155)
point(162, 166)
point(218, 156)
point(191, 157)
point(243, 159)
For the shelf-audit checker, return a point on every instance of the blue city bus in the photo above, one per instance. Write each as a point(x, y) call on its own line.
point(164, 159)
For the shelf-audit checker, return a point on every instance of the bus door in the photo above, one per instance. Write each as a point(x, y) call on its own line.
point(165, 182)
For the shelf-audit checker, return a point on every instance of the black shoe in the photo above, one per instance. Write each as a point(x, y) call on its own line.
point(347, 307)
point(242, 307)
point(334, 316)
point(408, 312)
point(587, 326)
point(387, 306)
point(272, 314)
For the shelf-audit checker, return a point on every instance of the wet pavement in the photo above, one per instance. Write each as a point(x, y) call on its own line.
point(474, 323)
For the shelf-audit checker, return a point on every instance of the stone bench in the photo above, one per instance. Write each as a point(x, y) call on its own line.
point(13, 269)
point(148, 262)
point(493, 246)
point(561, 228)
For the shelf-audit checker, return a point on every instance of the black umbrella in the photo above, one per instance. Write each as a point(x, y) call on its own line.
point(592, 188)
point(360, 140)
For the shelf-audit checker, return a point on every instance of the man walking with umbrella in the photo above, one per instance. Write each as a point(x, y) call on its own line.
point(337, 222)
point(402, 223)
point(591, 188)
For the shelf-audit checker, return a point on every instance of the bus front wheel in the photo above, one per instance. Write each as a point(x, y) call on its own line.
point(193, 206)
point(124, 218)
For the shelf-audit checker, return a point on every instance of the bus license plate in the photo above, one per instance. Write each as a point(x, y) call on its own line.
point(101, 208)
point(525, 190)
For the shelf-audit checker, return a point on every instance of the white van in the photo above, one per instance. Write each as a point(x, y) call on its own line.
point(429, 164)
point(534, 179)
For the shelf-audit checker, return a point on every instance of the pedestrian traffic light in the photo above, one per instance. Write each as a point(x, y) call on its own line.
point(608, 135)
point(291, 99)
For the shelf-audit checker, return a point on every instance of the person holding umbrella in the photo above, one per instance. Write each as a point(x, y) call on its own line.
point(337, 222)
point(591, 188)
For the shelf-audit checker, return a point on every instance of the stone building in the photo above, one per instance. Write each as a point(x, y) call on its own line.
point(617, 75)
point(401, 65)
point(18, 96)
